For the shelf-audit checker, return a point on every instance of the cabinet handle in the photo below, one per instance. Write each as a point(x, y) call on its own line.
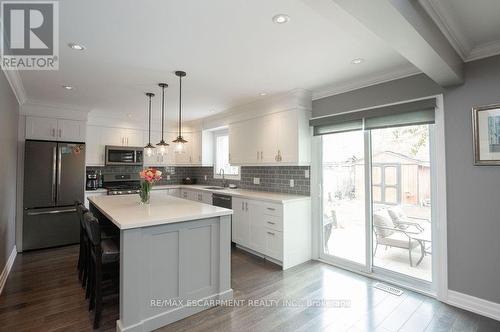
point(257, 155)
point(53, 131)
point(271, 223)
point(60, 133)
point(271, 209)
point(261, 155)
point(229, 157)
point(246, 206)
point(242, 206)
point(271, 233)
point(127, 141)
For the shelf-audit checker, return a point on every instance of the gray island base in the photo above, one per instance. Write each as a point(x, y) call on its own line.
point(175, 258)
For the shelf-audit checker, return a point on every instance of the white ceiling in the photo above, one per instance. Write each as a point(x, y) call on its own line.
point(230, 49)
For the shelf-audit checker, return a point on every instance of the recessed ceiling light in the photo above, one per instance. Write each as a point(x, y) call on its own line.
point(263, 94)
point(281, 18)
point(67, 87)
point(75, 46)
point(357, 61)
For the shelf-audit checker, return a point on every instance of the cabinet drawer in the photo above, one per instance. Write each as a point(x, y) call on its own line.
point(274, 244)
point(273, 222)
point(272, 209)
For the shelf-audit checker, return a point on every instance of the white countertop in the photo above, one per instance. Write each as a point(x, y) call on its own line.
point(242, 193)
point(97, 191)
point(126, 212)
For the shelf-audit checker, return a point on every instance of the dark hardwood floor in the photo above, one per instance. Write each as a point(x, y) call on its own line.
point(42, 294)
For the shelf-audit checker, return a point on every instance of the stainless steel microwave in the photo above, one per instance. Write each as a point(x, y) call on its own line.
point(124, 155)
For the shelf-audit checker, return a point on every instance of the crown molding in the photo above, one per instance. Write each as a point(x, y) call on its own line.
point(484, 50)
point(449, 26)
point(397, 73)
point(16, 84)
point(60, 111)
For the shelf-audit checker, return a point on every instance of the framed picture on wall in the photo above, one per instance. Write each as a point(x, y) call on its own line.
point(486, 134)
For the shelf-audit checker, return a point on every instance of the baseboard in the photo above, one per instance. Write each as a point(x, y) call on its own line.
point(7, 268)
point(474, 304)
point(174, 315)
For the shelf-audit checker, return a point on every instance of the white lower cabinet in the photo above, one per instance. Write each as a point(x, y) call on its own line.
point(169, 191)
point(273, 243)
point(196, 195)
point(175, 192)
point(240, 222)
point(279, 232)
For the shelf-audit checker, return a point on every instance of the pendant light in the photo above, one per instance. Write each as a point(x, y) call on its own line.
point(180, 141)
point(149, 148)
point(162, 146)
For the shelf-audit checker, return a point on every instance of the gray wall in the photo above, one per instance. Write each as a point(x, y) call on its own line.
point(473, 192)
point(8, 165)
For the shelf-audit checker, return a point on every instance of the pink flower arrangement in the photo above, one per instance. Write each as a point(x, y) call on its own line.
point(150, 175)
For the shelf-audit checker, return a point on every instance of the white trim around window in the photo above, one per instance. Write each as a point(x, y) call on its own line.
point(221, 142)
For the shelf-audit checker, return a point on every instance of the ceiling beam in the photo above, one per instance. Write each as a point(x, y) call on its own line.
point(408, 29)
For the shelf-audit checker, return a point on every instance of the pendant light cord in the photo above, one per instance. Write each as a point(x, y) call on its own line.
point(149, 131)
point(180, 104)
point(162, 110)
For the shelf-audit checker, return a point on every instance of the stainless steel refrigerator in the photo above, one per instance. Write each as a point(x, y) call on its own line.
point(54, 178)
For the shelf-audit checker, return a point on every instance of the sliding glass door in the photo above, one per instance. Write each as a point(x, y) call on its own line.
point(377, 201)
point(343, 217)
point(401, 200)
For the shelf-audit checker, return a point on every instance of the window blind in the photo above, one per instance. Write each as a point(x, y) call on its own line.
point(411, 113)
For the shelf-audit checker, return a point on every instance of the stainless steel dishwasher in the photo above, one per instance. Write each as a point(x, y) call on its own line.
point(224, 201)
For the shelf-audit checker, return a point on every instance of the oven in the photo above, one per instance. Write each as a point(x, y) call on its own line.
point(124, 155)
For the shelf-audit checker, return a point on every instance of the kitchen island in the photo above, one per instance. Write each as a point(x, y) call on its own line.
point(174, 257)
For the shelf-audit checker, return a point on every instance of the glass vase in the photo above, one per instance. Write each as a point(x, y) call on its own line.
point(145, 193)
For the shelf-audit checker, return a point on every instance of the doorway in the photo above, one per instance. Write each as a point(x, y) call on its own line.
point(377, 202)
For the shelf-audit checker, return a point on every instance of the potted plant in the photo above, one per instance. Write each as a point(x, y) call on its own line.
point(148, 176)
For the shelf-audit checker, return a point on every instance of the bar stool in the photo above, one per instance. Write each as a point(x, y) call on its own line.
point(103, 265)
point(83, 254)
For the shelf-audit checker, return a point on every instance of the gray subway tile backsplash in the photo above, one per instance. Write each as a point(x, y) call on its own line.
point(272, 179)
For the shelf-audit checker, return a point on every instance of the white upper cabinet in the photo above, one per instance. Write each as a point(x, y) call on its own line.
point(132, 137)
point(198, 151)
point(94, 155)
point(121, 137)
point(41, 128)
point(71, 131)
point(52, 129)
point(277, 139)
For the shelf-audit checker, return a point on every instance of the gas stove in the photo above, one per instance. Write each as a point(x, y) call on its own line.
point(122, 184)
point(123, 190)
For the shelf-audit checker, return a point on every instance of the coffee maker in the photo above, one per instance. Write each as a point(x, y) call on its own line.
point(92, 181)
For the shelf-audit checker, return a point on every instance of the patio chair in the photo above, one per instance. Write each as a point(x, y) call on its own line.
point(329, 222)
point(402, 221)
point(387, 234)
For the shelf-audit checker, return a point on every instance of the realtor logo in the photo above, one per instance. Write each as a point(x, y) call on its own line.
point(30, 35)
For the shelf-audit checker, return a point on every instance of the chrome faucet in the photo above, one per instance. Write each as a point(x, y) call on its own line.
point(224, 184)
